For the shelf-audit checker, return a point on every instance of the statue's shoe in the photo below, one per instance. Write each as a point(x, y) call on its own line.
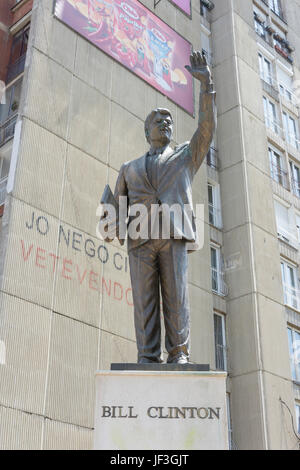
point(179, 360)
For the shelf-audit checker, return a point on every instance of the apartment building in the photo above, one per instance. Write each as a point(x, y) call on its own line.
point(70, 116)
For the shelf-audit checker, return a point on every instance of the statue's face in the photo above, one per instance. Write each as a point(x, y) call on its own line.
point(161, 129)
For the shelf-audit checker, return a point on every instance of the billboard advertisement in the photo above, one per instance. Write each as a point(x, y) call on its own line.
point(127, 31)
point(184, 5)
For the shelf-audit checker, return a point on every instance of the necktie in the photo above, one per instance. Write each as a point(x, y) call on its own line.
point(152, 167)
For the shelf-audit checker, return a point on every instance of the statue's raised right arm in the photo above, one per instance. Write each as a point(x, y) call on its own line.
point(201, 140)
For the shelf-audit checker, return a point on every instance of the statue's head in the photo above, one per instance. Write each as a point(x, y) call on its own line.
point(159, 127)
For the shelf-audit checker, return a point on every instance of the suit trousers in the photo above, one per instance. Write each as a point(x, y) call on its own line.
point(160, 265)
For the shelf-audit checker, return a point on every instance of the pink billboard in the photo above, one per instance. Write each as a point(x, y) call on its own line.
point(184, 5)
point(135, 37)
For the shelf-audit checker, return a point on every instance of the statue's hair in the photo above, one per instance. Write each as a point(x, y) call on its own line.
point(150, 117)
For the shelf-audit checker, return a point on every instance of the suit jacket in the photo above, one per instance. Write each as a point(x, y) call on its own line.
point(176, 170)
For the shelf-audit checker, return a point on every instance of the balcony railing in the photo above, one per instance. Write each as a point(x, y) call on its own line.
point(212, 159)
point(206, 6)
point(208, 56)
point(3, 184)
point(268, 86)
point(15, 69)
point(296, 187)
point(218, 284)
point(293, 141)
point(280, 176)
point(7, 129)
point(275, 88)
point(291, 297)
point(284, 53)
point(221, 357)
point(215, 216)
point(288, 95)
point(274, 126)
point(259, 29)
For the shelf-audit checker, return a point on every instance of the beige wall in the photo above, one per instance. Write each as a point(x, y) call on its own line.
point(66, 297)
point(66, 306)
point(257, 338)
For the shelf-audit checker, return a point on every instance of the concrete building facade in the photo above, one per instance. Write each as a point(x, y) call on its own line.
point(72, 116)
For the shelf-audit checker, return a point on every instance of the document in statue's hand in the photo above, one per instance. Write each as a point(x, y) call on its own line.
point(108, 198)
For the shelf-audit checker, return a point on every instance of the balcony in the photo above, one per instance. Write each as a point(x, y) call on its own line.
point(7, 129)
point(289, 98)
point(296, 187)
point(215, 216)
point(291, 297)
point(15, 69)
point(212, 159)
point(274, 125)
point(270, 89)
point(278, 90)
point(219, 286)
point(269, 85)
point(280, 176)
point(3, 184)
point(293, 141)
point(221, 357)
point(261, 32)
point(261, 29)
point(284, 52)
point(208, 56)
point(206, 6)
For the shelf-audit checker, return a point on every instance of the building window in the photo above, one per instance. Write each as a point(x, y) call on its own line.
point(295, 175)
point(229, 420)
point(206, 47)
point(214, 205)
point(298, 227)
point(9, 111)
point(285, 82)
point(18, 54)
point(291, 130)
point(276, 165)
point(217, 275)
point(259, 24)
point(212, 158)
point(290, 285)
point(205, 7)
point(285, 93)
point(282, 46)
point(271, 116)
point(220, 342)
point(265, 68)
point(298, 417)
point(285, 227)
point(294, 350)
point(276, 7)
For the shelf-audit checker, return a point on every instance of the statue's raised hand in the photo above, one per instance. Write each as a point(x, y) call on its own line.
point(199, 68)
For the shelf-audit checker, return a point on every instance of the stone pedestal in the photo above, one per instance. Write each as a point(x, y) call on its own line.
point(159, 410)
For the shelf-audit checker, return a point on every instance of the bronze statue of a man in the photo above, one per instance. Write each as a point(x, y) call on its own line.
point(163, 177)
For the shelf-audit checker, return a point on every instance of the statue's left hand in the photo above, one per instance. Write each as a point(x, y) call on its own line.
point(199, 68)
